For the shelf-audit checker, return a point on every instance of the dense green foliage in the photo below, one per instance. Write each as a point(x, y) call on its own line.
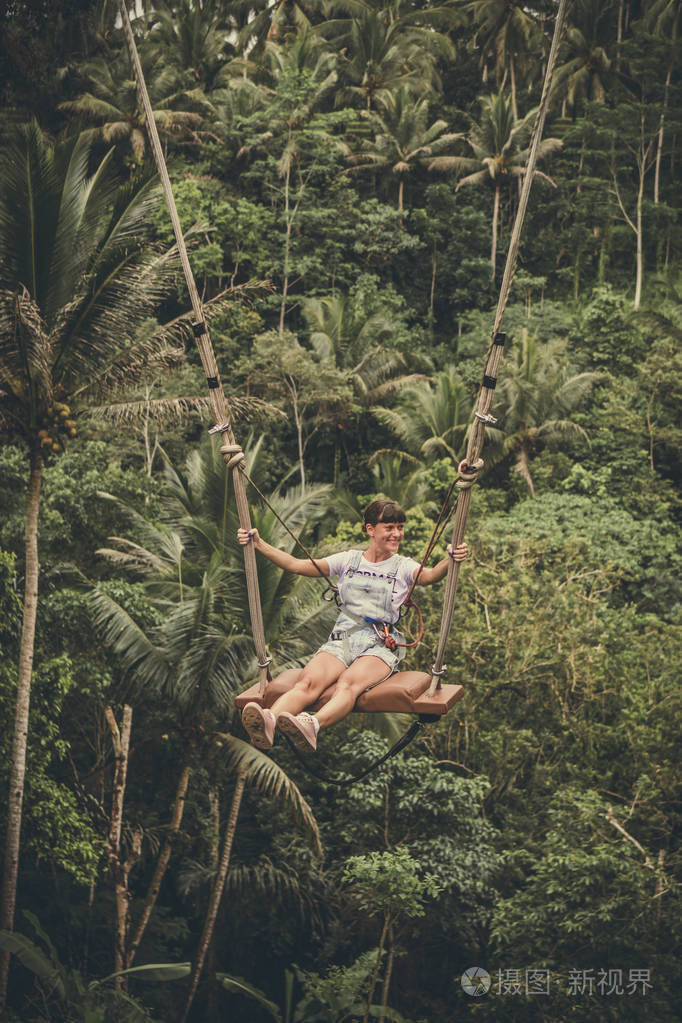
point(347, 175)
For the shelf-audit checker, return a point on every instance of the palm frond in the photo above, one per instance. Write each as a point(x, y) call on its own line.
point(173, 410)
point(270, 780)
point(147, 664)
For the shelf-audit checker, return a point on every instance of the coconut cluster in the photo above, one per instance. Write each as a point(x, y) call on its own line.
point(60, 426)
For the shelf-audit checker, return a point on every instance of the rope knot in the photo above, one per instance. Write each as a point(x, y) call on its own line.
point(468, 477)
point(233, 455)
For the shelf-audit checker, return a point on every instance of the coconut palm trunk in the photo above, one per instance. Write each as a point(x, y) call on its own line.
point(661, 126)
point(287, 251)
point(388, 973)
point(79, 280)
point(18, 761)
point(496, 217)
point(217, 893)
point(162, 862)
point(120, 738)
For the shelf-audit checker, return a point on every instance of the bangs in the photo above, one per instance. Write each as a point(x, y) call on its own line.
point(383, 510)
point(392, 513)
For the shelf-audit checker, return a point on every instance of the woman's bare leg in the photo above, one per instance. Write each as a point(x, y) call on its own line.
point(351, 682)
point(318, 675)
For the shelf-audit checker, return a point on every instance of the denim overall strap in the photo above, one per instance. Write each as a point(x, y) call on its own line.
point(380, 592)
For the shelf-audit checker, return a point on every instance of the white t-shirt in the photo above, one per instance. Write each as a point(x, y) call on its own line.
point(401, 569)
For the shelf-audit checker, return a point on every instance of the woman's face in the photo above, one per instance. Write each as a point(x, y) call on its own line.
point(386, 536)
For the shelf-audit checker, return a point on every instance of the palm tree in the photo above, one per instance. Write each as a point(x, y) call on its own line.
point(403, 140)
point(196, 41)
point(506, 30)
point(663, 18)
point(358, 344)
point(111, 102)
point(198, 655)
point(303, 77)
point(538, 394)
point(500, 145)
point(401, 473)
point(585, 59)
point(432, 416)
point(78, 280)
point(383, 49)
point(254, 768)
point(272, 21)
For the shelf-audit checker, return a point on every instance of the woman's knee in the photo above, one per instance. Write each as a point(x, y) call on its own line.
point(309, 684)
point(350, 685)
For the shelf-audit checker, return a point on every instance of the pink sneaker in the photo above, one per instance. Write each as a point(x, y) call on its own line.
point(300, 729)
point(260, 725)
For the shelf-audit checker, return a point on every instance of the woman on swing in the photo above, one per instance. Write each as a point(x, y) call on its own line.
point(372, 585)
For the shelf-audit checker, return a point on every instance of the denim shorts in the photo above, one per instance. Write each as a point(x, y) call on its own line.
point(360, 643)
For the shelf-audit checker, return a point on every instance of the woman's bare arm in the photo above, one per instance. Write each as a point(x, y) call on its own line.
point(300, 566)
point(427, 576)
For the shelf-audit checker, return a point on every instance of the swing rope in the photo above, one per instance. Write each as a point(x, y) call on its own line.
point(231, 451)
point(494, 357)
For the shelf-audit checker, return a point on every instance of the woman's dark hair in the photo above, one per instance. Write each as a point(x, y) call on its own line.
point(382, 510)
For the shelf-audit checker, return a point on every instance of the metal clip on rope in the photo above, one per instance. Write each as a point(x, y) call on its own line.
point(233, 455)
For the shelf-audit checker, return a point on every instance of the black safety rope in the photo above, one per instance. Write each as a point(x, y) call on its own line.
point(346, 781)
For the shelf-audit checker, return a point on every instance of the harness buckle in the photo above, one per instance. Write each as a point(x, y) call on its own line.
point(382, 631)
point(388, 640)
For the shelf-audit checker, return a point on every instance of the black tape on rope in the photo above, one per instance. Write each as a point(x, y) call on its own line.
point(490, 382)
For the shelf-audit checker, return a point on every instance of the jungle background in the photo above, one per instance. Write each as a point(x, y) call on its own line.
point(347, 173)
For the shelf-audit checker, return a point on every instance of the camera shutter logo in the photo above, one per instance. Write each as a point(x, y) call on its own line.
point(476, 981)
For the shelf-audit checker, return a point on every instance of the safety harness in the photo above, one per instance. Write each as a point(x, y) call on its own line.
point(382, 630)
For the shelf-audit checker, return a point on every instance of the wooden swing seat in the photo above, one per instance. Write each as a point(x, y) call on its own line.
point(402, 693)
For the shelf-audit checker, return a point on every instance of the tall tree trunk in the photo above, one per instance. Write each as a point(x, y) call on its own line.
point(162, 862)
point(496, 215)
point(401, 188)
point(639, 273)
point(377, 966)
point(298, 422)
point(217, 893)
point(214, 816)
point(576, 276)
point(512, 82)
point(387, 973)
point(20, 741)
point(434, 268)
point(661, 123)
point(120, 739)
point(287, 251)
